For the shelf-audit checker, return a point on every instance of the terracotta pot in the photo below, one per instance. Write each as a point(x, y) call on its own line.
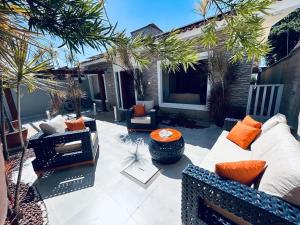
point(3, 190)
point(14, 124)
point(13, 139)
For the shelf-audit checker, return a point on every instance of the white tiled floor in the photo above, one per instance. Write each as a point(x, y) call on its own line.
point(104, 196)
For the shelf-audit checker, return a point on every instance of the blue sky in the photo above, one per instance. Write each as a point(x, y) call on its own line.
point(133, 14)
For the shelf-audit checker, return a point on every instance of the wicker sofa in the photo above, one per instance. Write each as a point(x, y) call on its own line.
point(209, 199)
point(64, 149)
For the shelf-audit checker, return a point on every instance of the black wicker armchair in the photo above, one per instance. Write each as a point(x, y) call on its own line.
point(147, 123)
point(200, 186)
point(50, 154)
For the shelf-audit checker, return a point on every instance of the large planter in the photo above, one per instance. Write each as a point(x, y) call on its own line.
point(3, 190)
point(13, 139)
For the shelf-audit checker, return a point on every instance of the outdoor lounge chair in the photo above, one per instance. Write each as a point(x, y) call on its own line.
point(145, 123)
point(65, 149)
point(209, 199)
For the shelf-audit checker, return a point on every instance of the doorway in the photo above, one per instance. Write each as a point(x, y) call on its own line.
point(98, 89)
point(125, 89)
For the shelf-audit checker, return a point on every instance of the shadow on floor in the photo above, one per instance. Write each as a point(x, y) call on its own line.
point(174, 170)
point(133, 137)
point(102, 116)
point(204, 138)
point(56, 183)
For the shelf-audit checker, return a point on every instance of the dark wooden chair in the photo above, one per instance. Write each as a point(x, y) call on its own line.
point(148, 122)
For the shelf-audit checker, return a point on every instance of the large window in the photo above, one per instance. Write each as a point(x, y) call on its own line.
point(186, 87)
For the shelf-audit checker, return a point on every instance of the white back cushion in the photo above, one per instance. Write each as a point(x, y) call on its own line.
point(224, 150)
point(55, 125)
point(273, 121)
point(281, 151)
point(148, 105)
point(267, 141)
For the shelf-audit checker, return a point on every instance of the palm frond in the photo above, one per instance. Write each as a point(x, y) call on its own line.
point(20, 65)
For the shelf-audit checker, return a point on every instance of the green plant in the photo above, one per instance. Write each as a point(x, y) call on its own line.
point(77, 23)
point(57, 101)
point(242, 25)
point(21, 65)
point(221, 74)
point(136, 54)
point(283, 37)
point(75, 93)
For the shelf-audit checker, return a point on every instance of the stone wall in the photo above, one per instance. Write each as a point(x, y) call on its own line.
point(287, 72)
point(151, 79)
point(239, 88)
point(109, 82)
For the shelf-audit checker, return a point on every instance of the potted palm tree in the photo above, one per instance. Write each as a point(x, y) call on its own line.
point(21, 65)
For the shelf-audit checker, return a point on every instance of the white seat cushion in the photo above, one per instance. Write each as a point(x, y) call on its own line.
point(73, 146)
point(141, 120)
point(281, 151)
point(224, 151)
point(55, 125)
point(273, 121)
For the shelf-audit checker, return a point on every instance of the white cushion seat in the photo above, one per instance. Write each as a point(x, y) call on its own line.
point(224, 150)
point(73, 146)
point(141, 120)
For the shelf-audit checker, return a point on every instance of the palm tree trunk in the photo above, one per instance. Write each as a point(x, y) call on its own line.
point(11, 128)
point(3, 138)
point(17, 194)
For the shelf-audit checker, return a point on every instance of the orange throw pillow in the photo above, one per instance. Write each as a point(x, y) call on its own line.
point(244, 172)
point(248, 120)
point(75, 124)
point(139, 110)
point(243, 135)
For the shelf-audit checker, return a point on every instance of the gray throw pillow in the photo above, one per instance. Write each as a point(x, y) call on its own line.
point(55, 125)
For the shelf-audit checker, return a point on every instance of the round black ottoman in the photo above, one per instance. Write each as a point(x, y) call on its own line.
point(166, 150)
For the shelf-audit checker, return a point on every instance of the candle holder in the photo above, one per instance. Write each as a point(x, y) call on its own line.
point(94, 109)
point(48, 114)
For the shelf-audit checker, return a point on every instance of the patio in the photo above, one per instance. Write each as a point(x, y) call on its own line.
point(102, 195)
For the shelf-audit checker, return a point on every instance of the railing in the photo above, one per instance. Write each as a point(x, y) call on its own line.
point(264, 100)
